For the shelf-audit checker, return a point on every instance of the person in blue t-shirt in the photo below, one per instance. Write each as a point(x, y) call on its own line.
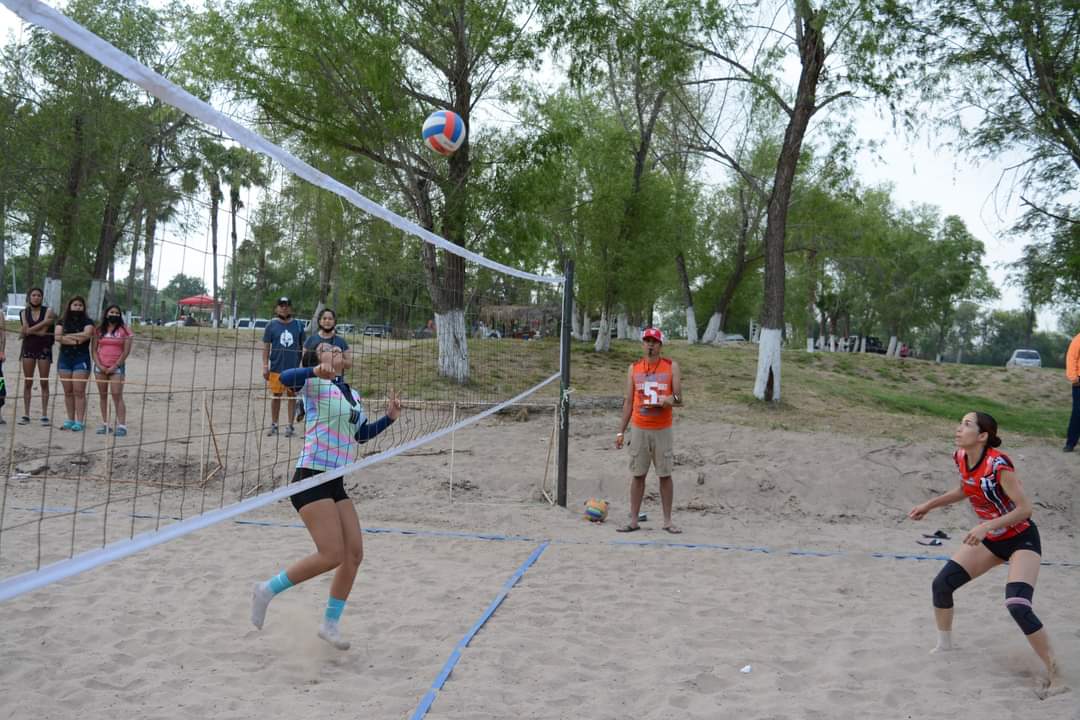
point(283, 343)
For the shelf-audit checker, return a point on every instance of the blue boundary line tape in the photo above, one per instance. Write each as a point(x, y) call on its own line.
point(448, 667)
point(495, 537)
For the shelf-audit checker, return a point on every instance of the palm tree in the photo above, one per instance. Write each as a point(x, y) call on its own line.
point(243, 168)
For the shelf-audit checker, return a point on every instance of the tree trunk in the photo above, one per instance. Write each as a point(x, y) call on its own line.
point(453, 348)
point(621, 329)
point(892, 346)
point(234, 206)
point(3, 245)
point(70, 214)
point(35, 249)
point(575, 321)
point(215, 194)
point(812, 56)
point(107, 238)
point(714, 328)
point(136, 236)
point(586, 326)
point(688, 300)
point(148, 262)
point(603, 335)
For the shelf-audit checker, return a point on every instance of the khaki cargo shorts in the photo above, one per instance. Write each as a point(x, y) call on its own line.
point(655, 447)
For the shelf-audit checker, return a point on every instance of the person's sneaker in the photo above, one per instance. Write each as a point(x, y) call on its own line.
point(102, 430)
point(77, 426)
point(273, 431)
point(1068, 448)
point(121, 430)
point(44, 421)
point(329, 632)
point(24, 420)
point(68, 424)
point(289, 431)
point(2, 420)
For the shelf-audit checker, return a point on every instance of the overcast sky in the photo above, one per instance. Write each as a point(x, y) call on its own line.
point(919, 170)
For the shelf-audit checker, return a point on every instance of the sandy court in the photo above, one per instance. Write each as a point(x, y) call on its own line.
point(807, 576)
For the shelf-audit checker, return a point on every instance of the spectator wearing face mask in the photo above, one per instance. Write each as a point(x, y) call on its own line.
point(111, 346)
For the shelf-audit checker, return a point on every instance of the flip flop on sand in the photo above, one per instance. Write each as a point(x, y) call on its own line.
point(939, 534)
point(627, 528)
point(673, 530)
point(931, 542)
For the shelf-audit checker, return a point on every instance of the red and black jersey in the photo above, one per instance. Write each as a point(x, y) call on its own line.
point(982, 485)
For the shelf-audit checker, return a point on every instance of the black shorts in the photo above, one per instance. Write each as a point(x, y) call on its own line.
point(1027, 540)
point(332, 490)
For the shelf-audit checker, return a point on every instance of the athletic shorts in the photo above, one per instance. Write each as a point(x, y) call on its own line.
point(120, 370)
point(1027, 540)
point(37, 354)
point(79, 363)
point(276, 388)
point(651, 447)
point(332, 490)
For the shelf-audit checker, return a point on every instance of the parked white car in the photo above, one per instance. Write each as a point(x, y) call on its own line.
point(1024, 357)
point(12, 312)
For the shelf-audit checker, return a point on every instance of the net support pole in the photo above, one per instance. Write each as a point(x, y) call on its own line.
point(564, 381)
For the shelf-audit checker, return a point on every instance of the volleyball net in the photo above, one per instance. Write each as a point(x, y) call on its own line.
point(122, 188)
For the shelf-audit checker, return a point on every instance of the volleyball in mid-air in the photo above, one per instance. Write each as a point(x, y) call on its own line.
point(596, 510)
point(444, 132)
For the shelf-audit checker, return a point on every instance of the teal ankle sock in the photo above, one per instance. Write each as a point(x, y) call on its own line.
point(279, 583)
point(334, 608)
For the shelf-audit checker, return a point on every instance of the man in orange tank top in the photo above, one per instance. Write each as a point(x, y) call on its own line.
point(653, 387)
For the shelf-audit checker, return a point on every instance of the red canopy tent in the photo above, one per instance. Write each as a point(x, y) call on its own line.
point(198, 301)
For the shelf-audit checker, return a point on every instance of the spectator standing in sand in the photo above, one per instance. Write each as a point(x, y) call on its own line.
point(653, 388)
point(37, 340)
point(1072, 372)
point(73, 333)
point(283, 342)
point(110, 347)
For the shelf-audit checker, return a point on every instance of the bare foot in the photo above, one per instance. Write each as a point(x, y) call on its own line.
point(1052, 685)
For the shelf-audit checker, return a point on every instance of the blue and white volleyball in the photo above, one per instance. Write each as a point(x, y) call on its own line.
point(444, 131)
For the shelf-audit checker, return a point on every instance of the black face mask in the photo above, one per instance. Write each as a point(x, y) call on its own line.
point(113, 318)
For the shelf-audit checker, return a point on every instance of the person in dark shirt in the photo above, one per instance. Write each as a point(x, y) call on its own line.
point(283, 342)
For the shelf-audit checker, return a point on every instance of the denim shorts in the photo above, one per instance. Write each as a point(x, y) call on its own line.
point(79, 363)
point(119, 370)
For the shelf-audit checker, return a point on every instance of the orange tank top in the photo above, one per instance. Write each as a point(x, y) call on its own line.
point(652, 383)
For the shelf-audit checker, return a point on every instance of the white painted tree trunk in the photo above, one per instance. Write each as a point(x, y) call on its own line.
point(691, 326)
point(712, 330)
point(832, 343)
point(603, 337)
point(453, 345)
point(622, 329)
point(892, 346)
point(586, 326)
point(810, 344)
point(959, 355)
point(51, 296)
point(95, 303)
point(575, 321)
point(937, 358)
point(862, 344)
point(768, 359)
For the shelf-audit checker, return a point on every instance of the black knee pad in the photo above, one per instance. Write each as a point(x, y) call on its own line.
point(948, 581)
point(1018, 597)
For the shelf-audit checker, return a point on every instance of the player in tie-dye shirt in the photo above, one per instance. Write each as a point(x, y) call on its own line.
point(334, 421)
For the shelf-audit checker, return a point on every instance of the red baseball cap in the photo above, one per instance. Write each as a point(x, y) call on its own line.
point(653, 334)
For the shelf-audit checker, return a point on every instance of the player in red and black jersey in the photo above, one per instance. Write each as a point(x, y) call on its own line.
point(1005, 533)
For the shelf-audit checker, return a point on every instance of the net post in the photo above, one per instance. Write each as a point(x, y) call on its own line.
point(564, 382)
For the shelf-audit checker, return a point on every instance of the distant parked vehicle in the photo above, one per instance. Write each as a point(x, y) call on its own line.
point(345, 328)
point(422, 333)
point(873, 345)
point(252, 324)
point(377, 330)
point(12, 312)
point(1024, 357)
point(734, 337)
